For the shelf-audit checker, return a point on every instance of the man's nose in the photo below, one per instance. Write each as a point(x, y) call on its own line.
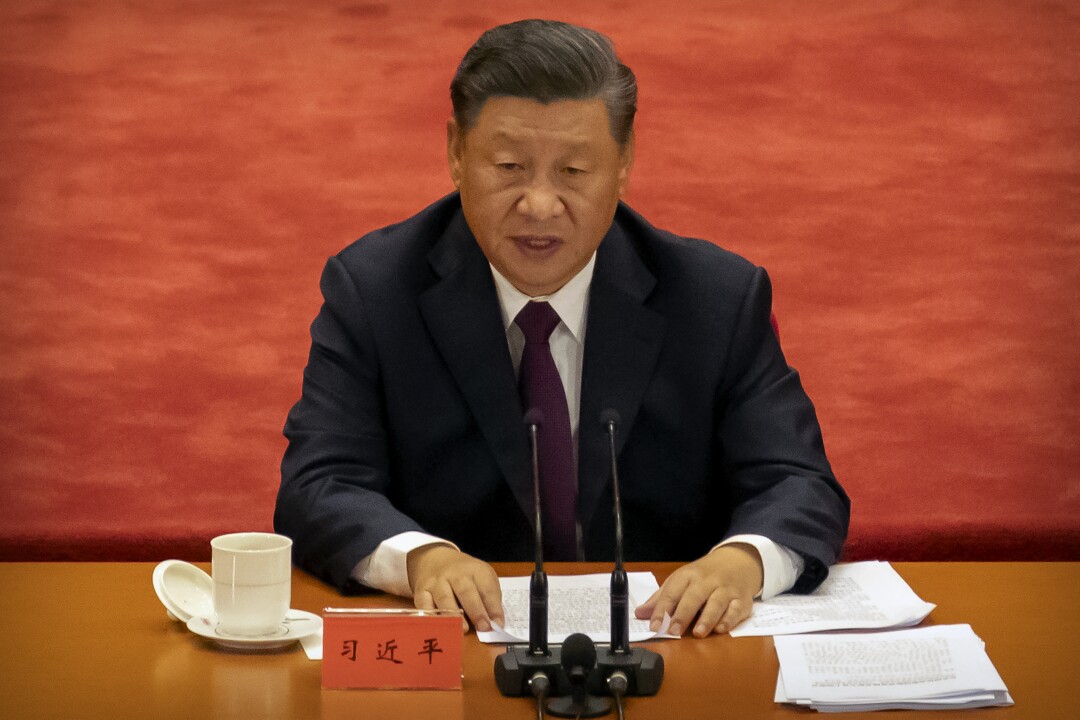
point(540, 200)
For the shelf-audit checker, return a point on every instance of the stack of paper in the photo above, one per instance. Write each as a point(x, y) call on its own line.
point(933, 668)
point(861, 595)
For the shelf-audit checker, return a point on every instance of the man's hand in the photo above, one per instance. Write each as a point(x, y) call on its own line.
point(721, 586)
point(443, 578)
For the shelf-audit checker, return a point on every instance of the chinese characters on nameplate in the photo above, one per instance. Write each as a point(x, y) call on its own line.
point(391, 648)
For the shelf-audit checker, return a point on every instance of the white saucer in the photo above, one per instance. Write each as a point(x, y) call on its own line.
point(297, 624)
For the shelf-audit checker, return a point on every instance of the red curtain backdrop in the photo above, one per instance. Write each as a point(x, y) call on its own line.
point(173, 175)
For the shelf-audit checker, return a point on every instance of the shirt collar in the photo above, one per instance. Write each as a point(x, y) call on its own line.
point(569, 301)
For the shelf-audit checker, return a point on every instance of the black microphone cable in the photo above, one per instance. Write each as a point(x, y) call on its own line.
point(618, 684)
point(539, 686)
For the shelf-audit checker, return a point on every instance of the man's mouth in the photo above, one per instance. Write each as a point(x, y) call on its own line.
point(537, 243)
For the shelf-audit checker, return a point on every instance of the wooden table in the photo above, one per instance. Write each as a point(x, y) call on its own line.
point(91, 640)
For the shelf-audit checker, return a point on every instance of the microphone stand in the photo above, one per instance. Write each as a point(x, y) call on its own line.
point(579, 659)
point(623, 670)
point(536, 670)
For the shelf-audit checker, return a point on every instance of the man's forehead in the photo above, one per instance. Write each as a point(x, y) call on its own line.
point(518, 119)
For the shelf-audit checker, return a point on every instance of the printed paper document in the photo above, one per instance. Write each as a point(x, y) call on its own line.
point(860, 595)
point(937, 667)
point(576, 603)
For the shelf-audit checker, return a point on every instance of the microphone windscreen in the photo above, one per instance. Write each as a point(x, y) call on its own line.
point(534, 416)
point(609, 416)
point(578, 650)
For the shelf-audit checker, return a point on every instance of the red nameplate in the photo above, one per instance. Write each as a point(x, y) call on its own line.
point(398, 649)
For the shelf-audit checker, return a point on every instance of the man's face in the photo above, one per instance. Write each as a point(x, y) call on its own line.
point(539, 185)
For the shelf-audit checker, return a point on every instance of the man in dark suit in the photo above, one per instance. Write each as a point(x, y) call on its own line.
point(409, 467)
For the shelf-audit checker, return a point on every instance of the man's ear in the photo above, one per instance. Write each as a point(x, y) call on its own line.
point(455, 149)
point(626, 162)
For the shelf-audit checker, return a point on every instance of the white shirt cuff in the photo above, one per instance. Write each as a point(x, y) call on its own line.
point(386, 569)
point(780, 566)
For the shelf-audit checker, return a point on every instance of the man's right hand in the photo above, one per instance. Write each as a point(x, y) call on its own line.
point(444, 578)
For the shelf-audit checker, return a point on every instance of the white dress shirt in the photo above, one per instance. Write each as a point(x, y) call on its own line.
point(386, 569)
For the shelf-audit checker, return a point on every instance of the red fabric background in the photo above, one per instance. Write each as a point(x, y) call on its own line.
point(174, 174)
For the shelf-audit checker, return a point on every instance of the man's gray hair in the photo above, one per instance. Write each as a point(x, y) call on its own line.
point(546, 61)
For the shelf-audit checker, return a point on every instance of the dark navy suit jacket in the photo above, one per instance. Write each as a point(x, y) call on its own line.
point(410, 417)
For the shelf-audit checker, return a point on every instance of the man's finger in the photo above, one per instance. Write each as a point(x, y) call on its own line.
point(444, 597)
point(491, 596)
point(737, 611)
point(690, 603)
point(666, 601)
point(423, 600)
point(471, 603)
point(711, 614)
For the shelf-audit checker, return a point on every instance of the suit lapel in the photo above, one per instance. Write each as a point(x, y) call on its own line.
point(462, 314)
point(622, 343)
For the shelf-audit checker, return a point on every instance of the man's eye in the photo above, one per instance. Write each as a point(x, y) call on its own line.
point(508, 166)
point(574, 171)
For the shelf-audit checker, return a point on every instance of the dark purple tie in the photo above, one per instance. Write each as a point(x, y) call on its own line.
point(542, 388)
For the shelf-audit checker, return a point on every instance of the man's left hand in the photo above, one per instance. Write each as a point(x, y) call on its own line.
point(718, 589)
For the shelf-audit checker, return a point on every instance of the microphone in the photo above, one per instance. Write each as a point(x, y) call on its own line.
point(535, 670)
point(623, 670)
point(538, 589)
point(620, 585)
point(579, 661)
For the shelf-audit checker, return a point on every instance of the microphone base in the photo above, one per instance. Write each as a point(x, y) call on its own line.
point(517, 665)
point(589, 706)
point(644, 670)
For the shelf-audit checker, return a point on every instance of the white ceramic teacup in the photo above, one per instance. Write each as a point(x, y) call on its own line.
point(252, 582)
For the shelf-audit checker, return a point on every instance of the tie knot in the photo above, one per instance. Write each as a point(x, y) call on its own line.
point(537, 321)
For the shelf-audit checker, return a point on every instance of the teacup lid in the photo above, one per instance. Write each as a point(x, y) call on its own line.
point(185, 590)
